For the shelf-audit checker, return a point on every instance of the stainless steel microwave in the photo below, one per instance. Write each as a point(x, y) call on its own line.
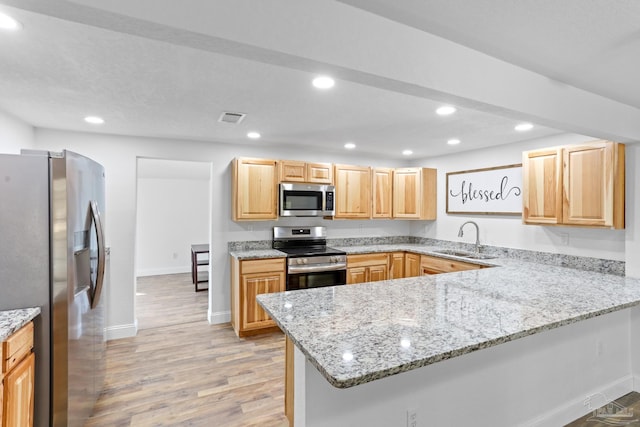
point(307, 200)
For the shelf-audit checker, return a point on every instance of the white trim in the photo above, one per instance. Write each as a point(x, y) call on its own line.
point(636, 383)
point(219, 317)
point(122, 331)
point(160, 271)
point(569, 409)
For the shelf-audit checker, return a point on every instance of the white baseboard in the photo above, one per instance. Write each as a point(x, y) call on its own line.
point(160, 271)
point(122, 331)
point(219, 317)
point(581, 405)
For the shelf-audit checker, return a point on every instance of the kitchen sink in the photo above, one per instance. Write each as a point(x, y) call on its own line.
point(463, 254)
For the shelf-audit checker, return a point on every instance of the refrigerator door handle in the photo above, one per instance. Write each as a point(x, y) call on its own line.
point(97, 223)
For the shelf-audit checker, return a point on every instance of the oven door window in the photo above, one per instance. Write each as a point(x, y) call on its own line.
point(302, 200)
point(316, 280)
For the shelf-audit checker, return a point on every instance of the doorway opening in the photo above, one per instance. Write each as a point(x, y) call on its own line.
point(173, 213)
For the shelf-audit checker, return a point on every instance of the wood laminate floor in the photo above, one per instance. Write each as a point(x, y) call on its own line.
point(181, 371)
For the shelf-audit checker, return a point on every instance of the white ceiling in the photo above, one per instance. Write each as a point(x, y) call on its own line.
point(73, 59)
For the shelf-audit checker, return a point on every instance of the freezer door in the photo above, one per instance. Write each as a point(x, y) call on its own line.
point(24, 256)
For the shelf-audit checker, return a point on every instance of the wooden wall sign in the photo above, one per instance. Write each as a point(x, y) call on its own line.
point(489, 191)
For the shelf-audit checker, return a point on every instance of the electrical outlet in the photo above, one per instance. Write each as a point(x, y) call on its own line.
point(175, 255)
point(412, 418)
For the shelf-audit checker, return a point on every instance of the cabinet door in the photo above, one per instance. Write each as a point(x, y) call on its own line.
point(406, 193)
point(255, 190)
point(18, 394)
point(353, 191)
point(542, 186)
point(396, 265)
point(320, 173)
point(292, 171)
point(589, 178)
point(377, 273)
point(356, 275)
point(435, 265)
point(411, 265)
point(382, 192)
point(414, 193)
point(252, 285)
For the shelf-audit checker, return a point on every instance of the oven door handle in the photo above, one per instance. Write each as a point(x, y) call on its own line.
point(295, 269)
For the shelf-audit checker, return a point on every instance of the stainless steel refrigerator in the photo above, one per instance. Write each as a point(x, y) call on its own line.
point(52, 255)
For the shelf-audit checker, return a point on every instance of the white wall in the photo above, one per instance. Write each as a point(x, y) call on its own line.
point(632, 208)
point(173, 214)
point(14, 134)
point(508, 231)
point(118, 154)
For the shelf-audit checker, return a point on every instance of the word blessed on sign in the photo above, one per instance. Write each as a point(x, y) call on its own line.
point(486, 191)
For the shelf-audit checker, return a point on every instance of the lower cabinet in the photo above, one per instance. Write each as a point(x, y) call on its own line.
point(288, 380)
point(367, 268)
point(437, 265)
point(396, 265)
point(249, 279)
point(17, 379)
point(411, 265)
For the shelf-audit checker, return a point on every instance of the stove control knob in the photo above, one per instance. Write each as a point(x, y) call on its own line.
point(304, 260)
point(333, 259)
point(299, 261)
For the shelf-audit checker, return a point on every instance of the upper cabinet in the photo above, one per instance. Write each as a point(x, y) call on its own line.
point(382, 179)
point(296, 171)
point(575, 185)
point(542, 186)
point(255, 189)
point(353, 191)
point(414, 193)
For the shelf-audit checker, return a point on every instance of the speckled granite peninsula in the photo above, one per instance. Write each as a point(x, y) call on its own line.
point(12, 320)
point(522, 343)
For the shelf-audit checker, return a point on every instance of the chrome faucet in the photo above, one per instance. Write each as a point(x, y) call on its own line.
point(460, 234)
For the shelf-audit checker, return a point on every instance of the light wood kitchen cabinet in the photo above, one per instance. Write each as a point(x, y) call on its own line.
point(353, 191)
point(296, 171)
point(17, 378)
point(437, 265)
point(382, 185)
point(250, 278)
point(255, 189)
point(579, 185)
point(367, 268)
point(411, 265)
point(396, 265)
point(542, 186)
point(414, 193)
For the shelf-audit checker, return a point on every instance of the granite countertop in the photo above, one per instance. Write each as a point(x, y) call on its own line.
point(257, 254)
point(361, 333)
point(12, 320)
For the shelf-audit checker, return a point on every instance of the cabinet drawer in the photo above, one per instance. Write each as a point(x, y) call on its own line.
point(367, 260)
point(262, 265)
point(445, 265)
point(17, 347)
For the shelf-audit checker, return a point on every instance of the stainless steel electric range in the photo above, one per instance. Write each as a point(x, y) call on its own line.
point(310, 263)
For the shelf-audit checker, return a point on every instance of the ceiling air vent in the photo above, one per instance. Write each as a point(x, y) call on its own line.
point(233, 118)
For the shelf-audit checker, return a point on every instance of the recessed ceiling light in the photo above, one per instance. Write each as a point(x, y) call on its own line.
point(453, 141)
point(8, 23)
point(445, 110)
point(253, 135)
point(94, 120)
point(323, 82)
point(522, 127)
point(407, 152)
point(349, 145)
